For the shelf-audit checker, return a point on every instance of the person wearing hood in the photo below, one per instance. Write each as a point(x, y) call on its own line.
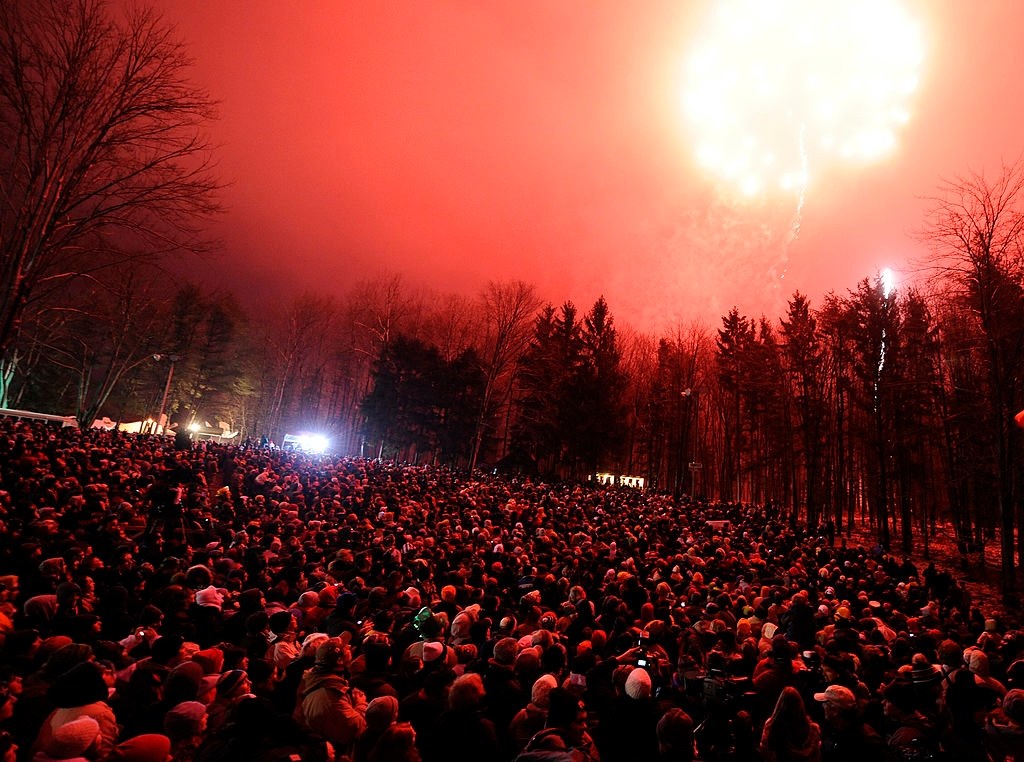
point(911, 730)
point(531, 719)
point(505, 696)
point(845, 736)
point(327, 704)
point(73, 741)
point(628, 725)
point(80, 692)
point(1004, 728)
point(381, 714)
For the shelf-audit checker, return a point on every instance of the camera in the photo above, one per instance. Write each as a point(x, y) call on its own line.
point(715, 689)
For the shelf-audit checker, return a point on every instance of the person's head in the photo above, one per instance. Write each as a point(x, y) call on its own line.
point(837, 701)
point(540, 694)
point(8, 748)
point(638, 684)
point(505, 651)
point(333, 655)
point(790, 715)
point(1013, 705)
point(82, 684)
point(73, 739)
point(186, 720)
point(232, 684)
point(467, 692)
point(396, 744)
point(148, 747)
point(898, 699)
point(381, 713)
point(675, 734)
point(566, 712)
point(283, 624)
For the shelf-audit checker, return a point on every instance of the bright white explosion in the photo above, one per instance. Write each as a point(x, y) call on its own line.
point(776, 89)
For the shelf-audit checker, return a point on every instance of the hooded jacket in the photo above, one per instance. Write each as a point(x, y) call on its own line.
point(329, 706)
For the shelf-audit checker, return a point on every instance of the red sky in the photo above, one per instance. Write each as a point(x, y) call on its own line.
point(457, 142)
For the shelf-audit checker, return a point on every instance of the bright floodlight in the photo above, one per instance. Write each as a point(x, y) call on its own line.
point(193, 427)
point(777, 88)
point(314, 443)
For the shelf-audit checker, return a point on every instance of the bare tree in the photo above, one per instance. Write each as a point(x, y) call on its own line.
point(297, 340)
point(102, 158)
point(976, 231)
point(508, 310)
point(93, 345)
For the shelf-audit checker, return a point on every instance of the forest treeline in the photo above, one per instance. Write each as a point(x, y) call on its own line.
point(892, 407)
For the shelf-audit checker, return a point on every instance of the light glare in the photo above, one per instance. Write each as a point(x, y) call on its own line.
point(835, 77)
point(313, 443)
point(888, 282)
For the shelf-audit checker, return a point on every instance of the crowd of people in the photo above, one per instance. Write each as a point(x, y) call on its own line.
point(212, 602)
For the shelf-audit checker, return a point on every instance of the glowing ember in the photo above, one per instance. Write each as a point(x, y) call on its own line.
point(777, 88)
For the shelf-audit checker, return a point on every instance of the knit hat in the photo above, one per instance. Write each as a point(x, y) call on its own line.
point(461, 625)
point(210, 596)
point(432, 651)
point(505, 651)
point(73, 739)
point(185, 720)
point(381, 712)
point(976, 661)
point(541, 692)
point(54, 643)
point(210, 659)
point(923, 671)
point(638, 684)
point(183, 681)
point(149, 747)
point(528, 660)
point(229, 681)
point(309, 599)
point(314, 639)
point(1013, 705)
point(207, 688)
point(66, 657)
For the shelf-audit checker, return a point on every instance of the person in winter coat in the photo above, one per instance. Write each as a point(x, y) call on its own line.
point(565, 738)
point(912, 732)
point(1004, 728)
point(80, 692)
point(73, 741)
point(531, 719)
point(327, 704)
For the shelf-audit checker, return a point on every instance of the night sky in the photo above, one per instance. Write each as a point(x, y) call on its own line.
point(545, 140)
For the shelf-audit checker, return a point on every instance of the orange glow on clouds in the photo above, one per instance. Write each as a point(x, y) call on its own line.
point(776, 89)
